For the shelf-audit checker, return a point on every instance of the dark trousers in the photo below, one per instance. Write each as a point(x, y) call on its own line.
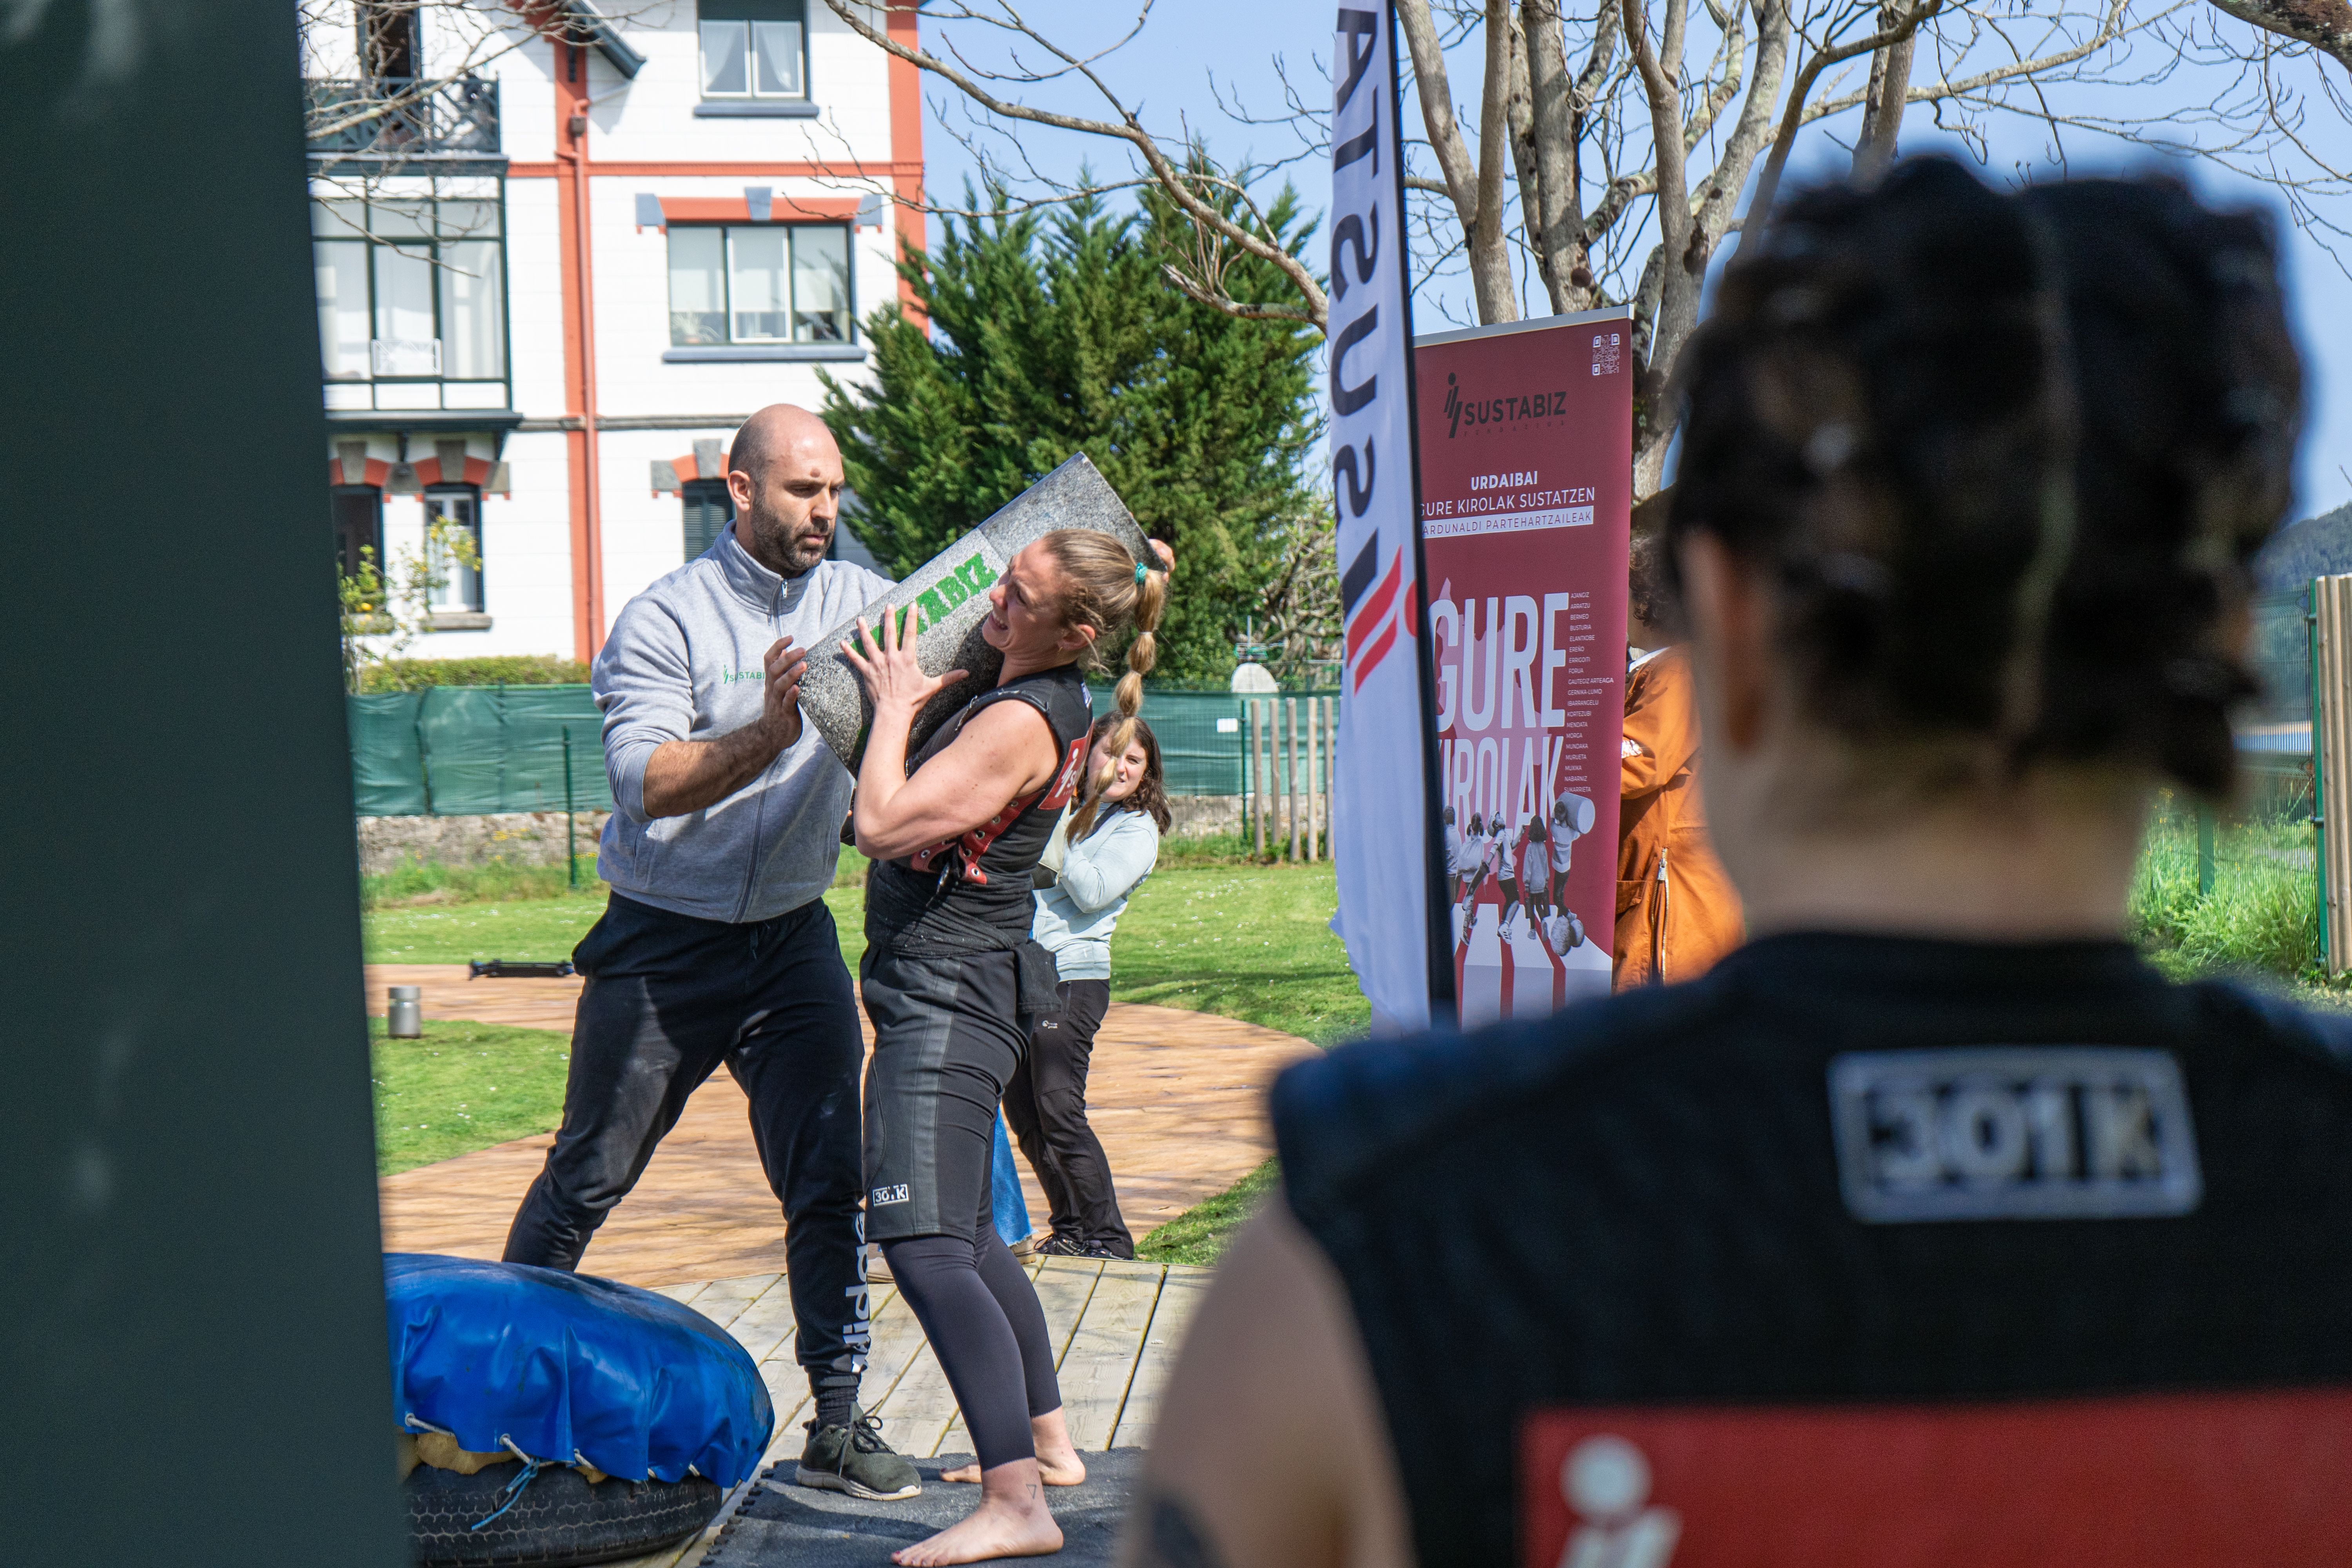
point(1046, 1104)
point(670, 998)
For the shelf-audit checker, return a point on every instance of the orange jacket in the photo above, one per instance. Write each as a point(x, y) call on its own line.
point(1677, 912)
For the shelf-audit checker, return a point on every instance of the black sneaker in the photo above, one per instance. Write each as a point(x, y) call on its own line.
point(855, 1459)
point(1061, 1246)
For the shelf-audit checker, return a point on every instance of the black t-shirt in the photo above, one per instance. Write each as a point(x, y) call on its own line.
point(1858, 1249)
point(929, 898)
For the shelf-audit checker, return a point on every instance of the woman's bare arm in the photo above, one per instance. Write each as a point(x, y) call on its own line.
point(1004, 752)
point(1270, 1450)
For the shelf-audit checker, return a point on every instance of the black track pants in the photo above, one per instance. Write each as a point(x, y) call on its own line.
point(1046, 1105)
point(669, 998)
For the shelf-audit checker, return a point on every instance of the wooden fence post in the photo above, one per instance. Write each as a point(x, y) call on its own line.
point(1314, 778)
point(1290, 723)
point(1257, 755)
point(2331, 759)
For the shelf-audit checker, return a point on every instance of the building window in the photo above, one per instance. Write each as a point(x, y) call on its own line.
point(358, 513)
point(755, 49)
point(458, 509)
point(388, 39)
point(764, 283)
point(708, 509)
point(410, 290)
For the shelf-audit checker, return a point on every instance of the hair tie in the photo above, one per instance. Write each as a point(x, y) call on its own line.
point(1139, 569)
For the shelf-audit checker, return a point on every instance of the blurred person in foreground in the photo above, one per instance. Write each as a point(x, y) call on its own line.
point(1677, 912)
point(1932, 1225)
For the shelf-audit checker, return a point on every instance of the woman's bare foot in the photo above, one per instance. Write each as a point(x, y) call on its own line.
point(1011, 1520)
point(1062, 1470)
point(1058, 1463)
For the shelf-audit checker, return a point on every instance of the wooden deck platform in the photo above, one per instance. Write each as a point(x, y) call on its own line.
point(1116, 1327)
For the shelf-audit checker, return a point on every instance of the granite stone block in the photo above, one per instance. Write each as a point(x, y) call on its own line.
point(951, 590)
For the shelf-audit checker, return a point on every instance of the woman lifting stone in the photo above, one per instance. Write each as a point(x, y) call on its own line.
point(951, 977)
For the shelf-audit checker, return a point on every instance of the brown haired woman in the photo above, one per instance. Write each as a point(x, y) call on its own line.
point(949, 976)
point(1114, 842)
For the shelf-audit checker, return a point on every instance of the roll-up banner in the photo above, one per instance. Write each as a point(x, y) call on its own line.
point(1527, 498)
point(1388, 854)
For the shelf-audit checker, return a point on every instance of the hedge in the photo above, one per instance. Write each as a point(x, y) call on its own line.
point(508, 670)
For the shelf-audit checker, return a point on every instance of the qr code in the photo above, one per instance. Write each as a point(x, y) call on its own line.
point(1605, 347)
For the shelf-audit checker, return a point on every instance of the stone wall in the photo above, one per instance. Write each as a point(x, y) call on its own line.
point(1202, 815)
point(519, 838)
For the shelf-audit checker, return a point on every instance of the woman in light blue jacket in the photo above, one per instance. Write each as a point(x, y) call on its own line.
point(1113, 843)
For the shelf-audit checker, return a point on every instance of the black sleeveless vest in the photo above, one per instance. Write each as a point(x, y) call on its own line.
point(1857, 1250)
point(982, 876)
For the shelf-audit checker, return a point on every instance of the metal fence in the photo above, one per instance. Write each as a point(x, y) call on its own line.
point(467, 751)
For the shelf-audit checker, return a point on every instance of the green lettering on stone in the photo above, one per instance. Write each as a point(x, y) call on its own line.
point(975, 574)
point(952, 591)
point(934, 612)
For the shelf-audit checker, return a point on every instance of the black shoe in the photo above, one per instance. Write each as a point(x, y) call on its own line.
point(855, 1459)
point(1060, 1246)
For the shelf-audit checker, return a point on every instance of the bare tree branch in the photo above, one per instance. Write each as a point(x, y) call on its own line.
point(1171, 176)
point(1767, 185)
point(2325, 25)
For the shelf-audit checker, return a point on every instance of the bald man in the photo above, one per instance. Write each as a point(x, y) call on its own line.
point(716, 946)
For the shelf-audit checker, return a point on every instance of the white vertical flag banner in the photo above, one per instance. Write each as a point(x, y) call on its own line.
point(1381, 791)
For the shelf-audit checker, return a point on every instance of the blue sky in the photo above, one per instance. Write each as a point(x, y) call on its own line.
point(1192, 53)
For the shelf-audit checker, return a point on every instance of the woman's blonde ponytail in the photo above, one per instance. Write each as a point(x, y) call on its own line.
point(1151, 599)
point(1109, 589)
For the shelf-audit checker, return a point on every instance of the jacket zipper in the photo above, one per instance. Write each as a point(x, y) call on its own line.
point(760, 801)
point(1658, 925)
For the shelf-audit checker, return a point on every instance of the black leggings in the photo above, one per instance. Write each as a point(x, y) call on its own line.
point(983, 1318)
point(945, 1042)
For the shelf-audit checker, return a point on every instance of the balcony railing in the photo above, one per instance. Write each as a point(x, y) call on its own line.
point(396, 119)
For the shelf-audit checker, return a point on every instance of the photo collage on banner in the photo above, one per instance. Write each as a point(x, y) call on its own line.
point(1526, 494)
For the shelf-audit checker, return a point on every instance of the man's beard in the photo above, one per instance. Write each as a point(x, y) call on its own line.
point(781, 548)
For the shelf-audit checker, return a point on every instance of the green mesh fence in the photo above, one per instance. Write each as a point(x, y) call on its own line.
point(2281, 656)
point(467, 751)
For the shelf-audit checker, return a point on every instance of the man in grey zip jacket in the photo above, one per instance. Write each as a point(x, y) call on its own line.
point(716, 946)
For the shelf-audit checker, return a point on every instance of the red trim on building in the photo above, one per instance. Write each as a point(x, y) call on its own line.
point(376, 472)
point(688, 169)
point(477, 472)
point(738, 209)
point(904, 28)
point(580, 446)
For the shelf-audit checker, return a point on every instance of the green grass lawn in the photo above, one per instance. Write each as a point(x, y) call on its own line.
point(1252, 943)
point(461, 1088)
point(1209, 934)
point(1200, 1235)
point(538, 929)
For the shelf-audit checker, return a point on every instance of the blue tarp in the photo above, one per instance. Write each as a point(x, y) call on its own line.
point(564, 1366)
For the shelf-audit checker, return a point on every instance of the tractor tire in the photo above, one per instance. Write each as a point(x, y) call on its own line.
point(559, 1521)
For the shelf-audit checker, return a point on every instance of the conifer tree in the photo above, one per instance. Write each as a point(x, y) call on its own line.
point(1053, 335)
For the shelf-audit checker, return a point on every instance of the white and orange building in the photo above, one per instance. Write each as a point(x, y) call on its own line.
point(586, 244)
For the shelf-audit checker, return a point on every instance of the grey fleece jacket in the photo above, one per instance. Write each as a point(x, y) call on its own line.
point(683, 663)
